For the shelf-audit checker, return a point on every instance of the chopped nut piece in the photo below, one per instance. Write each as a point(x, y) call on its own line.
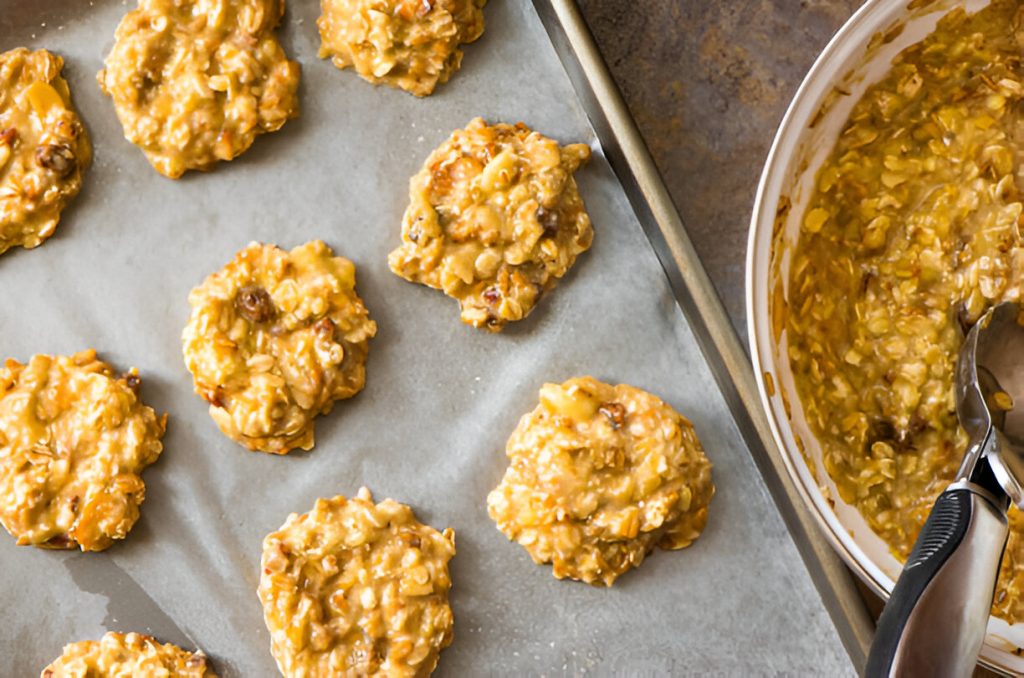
point(133, 654)
point(594, 499)
point(549, 220)
point(274, 339)
point(325, 329)
point(357, 588)
point(474, 225)
point(195, 82)
point(196, 661)
point(70, 465)
point(58, 159)
point(412, 44)
point(59, 541)
point(44, 150)
point(133, 382)
point(615, 412)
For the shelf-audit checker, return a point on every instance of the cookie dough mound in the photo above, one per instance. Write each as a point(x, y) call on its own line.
point(598, 476)
point(74, 438)
point(195, 81)
point(276, 337)
point(495, 220)
point(44, 150)
point(354, 588)
point(412, 44)
point(117, 655)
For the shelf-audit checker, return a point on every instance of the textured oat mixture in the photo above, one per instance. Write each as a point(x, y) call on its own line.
point(494, 220)
point(598, 476)
point(132, 655)
point(195, 81)
point(354, 588)
point(44, 150)
point(412, 44)
point(74, 438)
point(274, 339)
point(913, 232)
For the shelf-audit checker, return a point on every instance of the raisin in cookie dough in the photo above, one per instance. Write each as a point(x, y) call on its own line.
point(118, 655)
point(74, 438)
point(495, 219)
point(598, 476)
point(411, 44)
point(195, 81)
point(44, 150)
point(274, 339)
point(354, 588)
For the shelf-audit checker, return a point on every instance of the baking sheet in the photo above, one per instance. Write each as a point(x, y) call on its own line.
point(441, 398)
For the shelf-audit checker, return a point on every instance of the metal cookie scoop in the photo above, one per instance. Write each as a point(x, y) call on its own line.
point(935, 620)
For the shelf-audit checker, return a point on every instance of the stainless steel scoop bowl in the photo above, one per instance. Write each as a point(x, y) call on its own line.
point(990, 375)
point(934, 622)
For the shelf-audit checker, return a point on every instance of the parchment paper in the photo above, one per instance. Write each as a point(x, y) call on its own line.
point(441, 397)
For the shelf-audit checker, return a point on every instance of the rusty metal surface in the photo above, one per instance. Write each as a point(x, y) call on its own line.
point(707, 83)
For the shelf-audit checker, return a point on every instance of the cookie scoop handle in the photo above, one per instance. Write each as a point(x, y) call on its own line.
point(935, 620)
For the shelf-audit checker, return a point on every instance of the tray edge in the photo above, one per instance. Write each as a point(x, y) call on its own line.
point(694, 292)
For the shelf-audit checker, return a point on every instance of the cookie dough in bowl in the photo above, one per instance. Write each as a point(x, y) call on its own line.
point(120, 655)
point(44, 149)
point(886, 222)
point(355, 588)
point(912, 232)
point(74, 439)
point(494, 220)
point(598, 476)
point(195, 82)
point(411, 44)
point(274, 339)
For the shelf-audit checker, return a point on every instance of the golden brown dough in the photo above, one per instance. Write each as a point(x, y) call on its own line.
point(912, 232)
point(598, 476)
point(355, 588)
point(494, 220)
point(274, 339)
point(411, 44)
point(132, 655)
point(196, 81)
point(74, 438)
point(44, 149)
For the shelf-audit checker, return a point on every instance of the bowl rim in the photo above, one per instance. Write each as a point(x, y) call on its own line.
point(820, 78)
point(832, 65)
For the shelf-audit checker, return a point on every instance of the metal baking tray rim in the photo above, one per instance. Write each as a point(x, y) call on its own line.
point(695, 293)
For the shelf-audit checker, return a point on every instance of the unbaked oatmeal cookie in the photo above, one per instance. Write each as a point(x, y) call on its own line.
point(598, 476)
point(495, 219)
point(275, 337)
point(195, 81)
point(354, 588)
point(74, 438)
point(119, 655)
point(412, 44)
point(44, 150)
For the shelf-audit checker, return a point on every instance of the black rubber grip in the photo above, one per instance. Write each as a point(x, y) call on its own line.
point(942, 533)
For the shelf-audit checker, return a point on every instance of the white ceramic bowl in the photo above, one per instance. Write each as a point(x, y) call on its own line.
point(855, 58)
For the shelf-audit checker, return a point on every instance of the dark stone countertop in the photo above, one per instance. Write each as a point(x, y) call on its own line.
point(708, 83)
